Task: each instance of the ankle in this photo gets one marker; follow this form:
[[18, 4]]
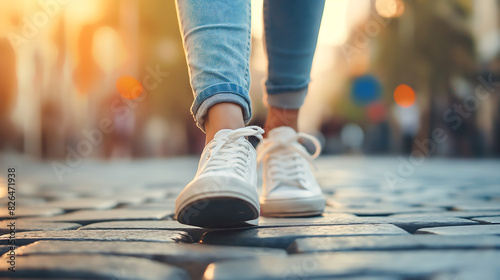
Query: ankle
[[222, 116], [277, 117]]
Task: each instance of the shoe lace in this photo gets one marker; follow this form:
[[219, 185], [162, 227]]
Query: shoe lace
[[285, 159], [227, 152]]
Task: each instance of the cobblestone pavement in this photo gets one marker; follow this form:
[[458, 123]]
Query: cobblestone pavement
[[387, 218]]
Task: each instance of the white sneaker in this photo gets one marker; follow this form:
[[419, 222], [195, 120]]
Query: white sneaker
[[224, 191], [289, 186]]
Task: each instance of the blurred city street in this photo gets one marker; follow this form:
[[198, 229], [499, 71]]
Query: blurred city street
[[387, 218], [97, 137]]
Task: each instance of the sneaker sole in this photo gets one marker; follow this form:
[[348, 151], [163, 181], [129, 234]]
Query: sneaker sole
[[296, 207], [230, 205], [219, 212]]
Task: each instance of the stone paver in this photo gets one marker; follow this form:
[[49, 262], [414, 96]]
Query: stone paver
[[93, 216], [382, 210], [30, 211], [483, 192], [456, 214], [54, 193], [385, 243], [488, 220], [478, 206], [281, 237], [91, 267], [449, 203], [22, 225], [463, 230], [126, 198], [326, 219], [24, 201], [386, 277], [83, 203], [136, 196], [412, 223], [4, 249], [194, 232], [409, 223], [193, 257], [114, 220], [168, 225], [163, 205], [102, 235], [411, 265]]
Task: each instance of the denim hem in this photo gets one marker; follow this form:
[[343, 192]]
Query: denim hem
[[293, 99], [279, 89], [227, 92]]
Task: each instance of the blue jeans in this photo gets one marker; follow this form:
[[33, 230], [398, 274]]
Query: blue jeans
[[216, 36]]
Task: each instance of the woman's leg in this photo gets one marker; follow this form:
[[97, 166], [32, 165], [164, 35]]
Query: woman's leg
[[291, 32], [216, 37], [289, 186]]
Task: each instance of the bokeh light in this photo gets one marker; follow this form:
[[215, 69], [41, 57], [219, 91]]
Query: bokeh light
[[404, 95], [65, 58], [389, 8], [82, 12], [108, 49], [352, 136], [365, 90], [129, 87], [376, 112]]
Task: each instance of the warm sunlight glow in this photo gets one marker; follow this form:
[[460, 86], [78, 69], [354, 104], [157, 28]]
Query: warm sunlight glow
[[334, 25], [108, 49], [390, 8], [334, 28], [3, 188], [209, 272], [257, 20], [129, 87], [84, 12]]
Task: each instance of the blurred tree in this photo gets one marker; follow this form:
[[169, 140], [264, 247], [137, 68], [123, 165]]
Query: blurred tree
[[8, 94], [161, 48], [425, 48]]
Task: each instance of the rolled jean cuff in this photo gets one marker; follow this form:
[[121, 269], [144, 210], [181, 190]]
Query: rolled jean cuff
[[227, 92], [292, 99]]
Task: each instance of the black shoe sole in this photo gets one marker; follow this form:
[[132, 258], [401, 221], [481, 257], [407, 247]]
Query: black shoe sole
[[218, 212]]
